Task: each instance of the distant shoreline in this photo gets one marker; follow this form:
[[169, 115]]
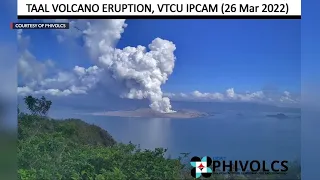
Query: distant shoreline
[[148, 113], [278, 116]]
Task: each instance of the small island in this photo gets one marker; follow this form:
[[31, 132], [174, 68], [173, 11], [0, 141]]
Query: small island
[[278, 116], [239, 114], [149, 113]]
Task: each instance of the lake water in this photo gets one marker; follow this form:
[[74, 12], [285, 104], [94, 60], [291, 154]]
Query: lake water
[[230, 136]]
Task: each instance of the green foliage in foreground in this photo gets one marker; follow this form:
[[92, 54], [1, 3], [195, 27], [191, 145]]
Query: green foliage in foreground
[[72, 149], [37, 106]]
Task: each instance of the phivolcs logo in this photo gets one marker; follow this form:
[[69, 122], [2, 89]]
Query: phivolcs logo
[[201, 167], [206, 166]]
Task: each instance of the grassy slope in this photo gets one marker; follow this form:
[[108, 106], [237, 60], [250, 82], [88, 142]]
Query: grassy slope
[[73, 149]]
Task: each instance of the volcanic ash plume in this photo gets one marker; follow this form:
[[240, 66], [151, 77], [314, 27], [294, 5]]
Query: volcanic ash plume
[[141, 72]]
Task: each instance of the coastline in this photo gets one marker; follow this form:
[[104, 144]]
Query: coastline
[[148, 113]]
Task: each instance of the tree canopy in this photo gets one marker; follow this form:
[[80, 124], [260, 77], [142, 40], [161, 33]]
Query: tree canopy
[[37, 106]]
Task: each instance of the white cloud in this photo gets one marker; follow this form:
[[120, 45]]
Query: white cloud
[[29, 68], [78, 81], [140, 72], [63, 83], [211, 96], [230, 93], [287, 98], [231, 96], [25, 90]]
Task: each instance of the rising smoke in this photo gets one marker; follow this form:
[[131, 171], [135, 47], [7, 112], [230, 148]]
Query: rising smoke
[[141, 72]]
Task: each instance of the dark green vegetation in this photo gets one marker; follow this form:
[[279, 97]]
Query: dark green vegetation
[[72, 149], [37, 106]]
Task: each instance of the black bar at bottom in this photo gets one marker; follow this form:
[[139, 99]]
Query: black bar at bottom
[[160, 17]]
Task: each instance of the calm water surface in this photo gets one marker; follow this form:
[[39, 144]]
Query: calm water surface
[[234, 137]]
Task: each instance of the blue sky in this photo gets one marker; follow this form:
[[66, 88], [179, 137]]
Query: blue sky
[[212, 55]]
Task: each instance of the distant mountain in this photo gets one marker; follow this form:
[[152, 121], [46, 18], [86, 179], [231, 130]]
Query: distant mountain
[[149, 113], [278, 116]]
